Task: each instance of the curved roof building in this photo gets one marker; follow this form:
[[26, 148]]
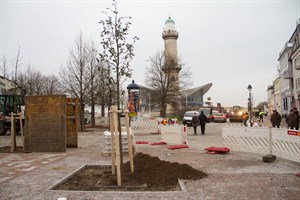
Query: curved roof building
[[194, 97]]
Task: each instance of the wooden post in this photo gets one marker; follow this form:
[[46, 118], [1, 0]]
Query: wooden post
[[12, 134], [21, 129], [129, 141], [115, 121], [113, 164]]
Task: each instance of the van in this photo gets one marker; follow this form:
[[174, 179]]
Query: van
[[187, 118]]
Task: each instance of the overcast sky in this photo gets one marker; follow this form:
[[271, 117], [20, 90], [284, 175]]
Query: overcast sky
[[228, 43]]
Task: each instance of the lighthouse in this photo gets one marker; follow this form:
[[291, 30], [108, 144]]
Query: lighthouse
[[171, 67]]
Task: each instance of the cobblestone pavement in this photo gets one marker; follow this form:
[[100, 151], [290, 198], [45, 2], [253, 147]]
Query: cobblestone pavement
[[13, 165], [235, 175]]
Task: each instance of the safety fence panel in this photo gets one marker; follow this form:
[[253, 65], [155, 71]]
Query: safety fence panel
[[145, 126], [247, 139], [262, 140], [174, 134], [284, 145]]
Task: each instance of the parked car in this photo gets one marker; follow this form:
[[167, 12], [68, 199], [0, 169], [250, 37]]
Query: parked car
[[220, 117], [187, 118], [214, 112], [228, 114]]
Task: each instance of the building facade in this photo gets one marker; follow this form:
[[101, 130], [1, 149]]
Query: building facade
[[284, 94], [294, 60], [286, 80]]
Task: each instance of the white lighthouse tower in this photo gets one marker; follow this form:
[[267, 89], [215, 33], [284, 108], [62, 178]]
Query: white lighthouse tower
[[171, 67]]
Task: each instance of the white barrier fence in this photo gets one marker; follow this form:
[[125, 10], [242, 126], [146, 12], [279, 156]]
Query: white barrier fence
[[170, 134], [262, 140], [174, 134], [145, 126]]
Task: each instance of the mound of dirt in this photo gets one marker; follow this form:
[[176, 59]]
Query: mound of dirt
[[160, 174], [150, 174]]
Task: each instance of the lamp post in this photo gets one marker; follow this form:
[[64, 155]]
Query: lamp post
[[186, 101], [149, 105], [250, 104]]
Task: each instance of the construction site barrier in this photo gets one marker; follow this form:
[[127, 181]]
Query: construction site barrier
[[174, 134], [145, 126], [263, 140]]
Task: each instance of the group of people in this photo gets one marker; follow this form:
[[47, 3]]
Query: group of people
[[199, 120], [259, 114], [292, 119]]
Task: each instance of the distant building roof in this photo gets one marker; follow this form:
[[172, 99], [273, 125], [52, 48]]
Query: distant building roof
[[204, 89]]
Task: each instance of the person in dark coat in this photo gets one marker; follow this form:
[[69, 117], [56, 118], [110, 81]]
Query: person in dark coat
[[195, 122], [275, 119], [297, 115], [291, 120], [203, 120]]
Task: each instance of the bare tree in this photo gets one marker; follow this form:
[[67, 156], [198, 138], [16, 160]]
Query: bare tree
[[51, 85], [16, 62], [166, 90], [31, 80], [117, 51], [92, 76], [105, 90], [72, 77], [4, 67]]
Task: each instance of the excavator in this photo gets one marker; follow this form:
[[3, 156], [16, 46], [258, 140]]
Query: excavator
[[11, 101]]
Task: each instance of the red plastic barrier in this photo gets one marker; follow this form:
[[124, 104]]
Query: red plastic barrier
[[298, 174], [178, 147], [215, 150], [141, 142], [293, 132], [157, 143]]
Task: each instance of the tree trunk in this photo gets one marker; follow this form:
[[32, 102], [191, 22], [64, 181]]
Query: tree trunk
[[163, 109], [82, 121], [103, 109], [93, 121]]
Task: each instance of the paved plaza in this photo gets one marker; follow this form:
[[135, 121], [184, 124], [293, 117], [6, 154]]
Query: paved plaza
[[236, 175]]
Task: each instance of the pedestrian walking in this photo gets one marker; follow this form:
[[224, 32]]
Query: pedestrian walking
[[291, 120], [275, 119], [245, 118], [195, 122], [203, 120], [298, 118]]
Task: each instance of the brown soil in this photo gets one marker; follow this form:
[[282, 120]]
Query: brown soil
[[150, 174], [6, 149]]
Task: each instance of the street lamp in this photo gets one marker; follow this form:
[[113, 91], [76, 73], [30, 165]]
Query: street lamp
[[250, 104], [149, 106], [186, 101]]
